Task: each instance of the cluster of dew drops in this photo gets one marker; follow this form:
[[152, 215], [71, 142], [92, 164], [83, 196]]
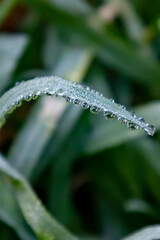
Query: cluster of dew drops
[[150, 129]]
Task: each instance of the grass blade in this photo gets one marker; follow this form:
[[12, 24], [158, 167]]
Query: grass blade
[[80, 95]]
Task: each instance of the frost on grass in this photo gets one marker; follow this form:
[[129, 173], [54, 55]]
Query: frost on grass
[[72, 92]]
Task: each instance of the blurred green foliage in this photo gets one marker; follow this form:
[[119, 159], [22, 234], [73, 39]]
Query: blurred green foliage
[[96, 178]]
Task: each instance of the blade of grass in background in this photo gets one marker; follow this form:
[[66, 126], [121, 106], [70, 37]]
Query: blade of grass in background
[[7, 232], [5, 9], [11, 50], [61, 204], [110, 135], [135, 205], [45, 226], [113, 51], [133, 24], [129, 168], [10, 213], [131, 20], [74, 7], [149, 152]]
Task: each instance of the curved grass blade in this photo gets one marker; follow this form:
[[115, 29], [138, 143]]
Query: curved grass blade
[[45, 226], [78, 94]]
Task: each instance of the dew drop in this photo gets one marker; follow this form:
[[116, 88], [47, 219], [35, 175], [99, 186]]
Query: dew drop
[[87, 87], [34, 96], [76, 101], [45, 91], [131, 126], [21, 97], [18, 103], [68, 99], [141, 120], [150, 129], [38, 93], [11, 108], [133, 114], [109, 115], [28, 98], [95, 109], [85, 105], [112, 100], [94, 91], [122, 120], [60, 92], [50, 93], [123, 107]]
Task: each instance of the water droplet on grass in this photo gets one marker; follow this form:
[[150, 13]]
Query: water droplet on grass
[[133, 114], [45, 91], [112, 100], [141, 120], [28, 98], [68, 99], [85, 105], [11, 109], [109, 115], [131, 126], [18, 103], [60, 92], [38, 93], [123, 107], [95, 109], [87, 87], [122, 120], [34, 96], [76, 101], [150, 129]]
